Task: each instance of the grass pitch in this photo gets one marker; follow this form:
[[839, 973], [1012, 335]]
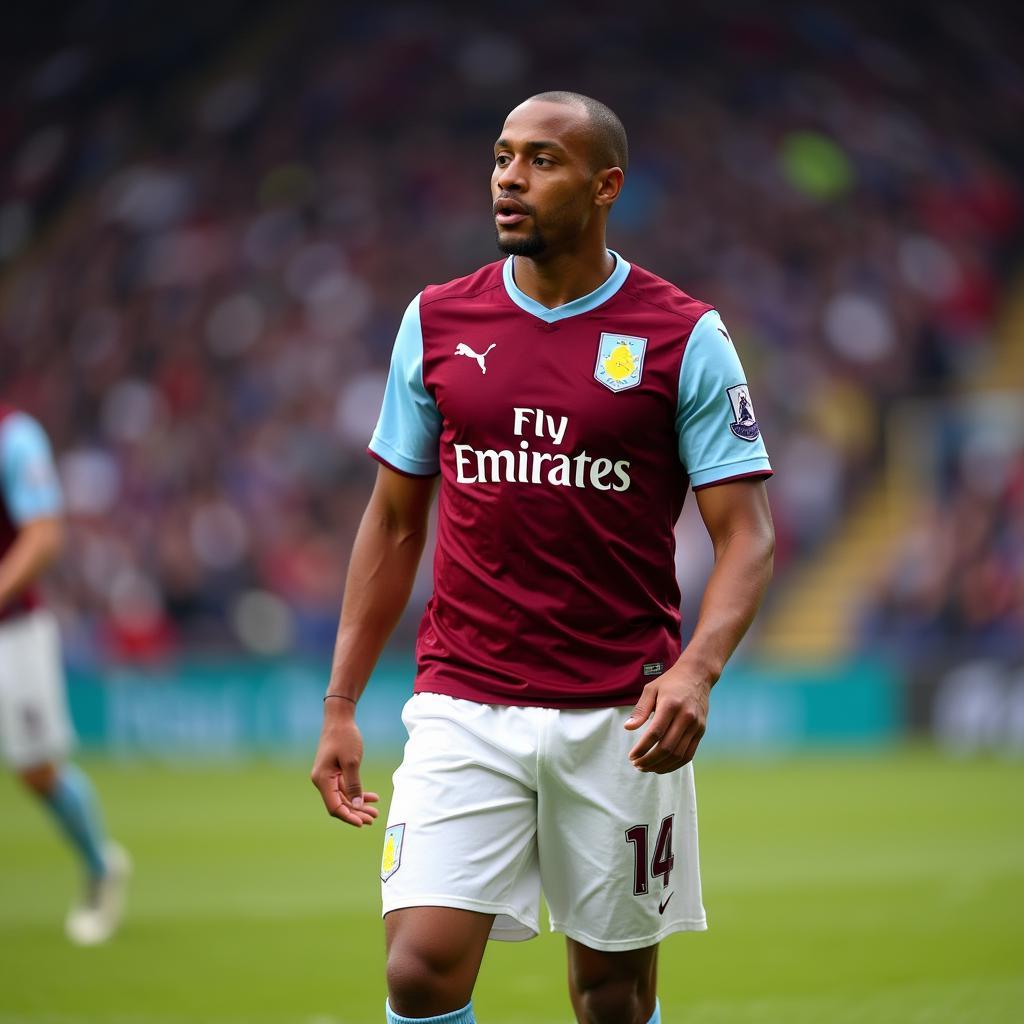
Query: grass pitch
[[883, 887]]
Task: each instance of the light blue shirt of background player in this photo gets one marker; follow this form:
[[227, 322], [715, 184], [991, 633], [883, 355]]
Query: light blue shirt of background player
[[28, 477]]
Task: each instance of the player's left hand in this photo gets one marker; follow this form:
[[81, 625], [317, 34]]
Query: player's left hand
[[676, 704]]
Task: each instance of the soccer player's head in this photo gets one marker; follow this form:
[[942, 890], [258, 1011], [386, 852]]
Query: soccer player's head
[[558, 167]]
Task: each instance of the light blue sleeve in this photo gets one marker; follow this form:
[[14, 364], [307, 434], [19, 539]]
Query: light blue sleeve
[[408, 432], [719, 438], [28, 475]]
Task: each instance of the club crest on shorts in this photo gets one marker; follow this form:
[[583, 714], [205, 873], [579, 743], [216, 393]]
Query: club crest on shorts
[[620, 361], [391, 859], [744, 425]]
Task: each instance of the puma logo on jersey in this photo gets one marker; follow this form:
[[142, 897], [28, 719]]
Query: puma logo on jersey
[[462, 349]]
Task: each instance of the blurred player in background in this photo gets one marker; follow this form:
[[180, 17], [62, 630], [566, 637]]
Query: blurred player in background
[[35, 728], [567, 399]]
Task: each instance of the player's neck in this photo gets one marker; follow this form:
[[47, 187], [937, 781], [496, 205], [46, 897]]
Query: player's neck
[[562, 278]]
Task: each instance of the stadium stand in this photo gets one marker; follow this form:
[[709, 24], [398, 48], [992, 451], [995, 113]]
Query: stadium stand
[[956, 583], [207, 237]]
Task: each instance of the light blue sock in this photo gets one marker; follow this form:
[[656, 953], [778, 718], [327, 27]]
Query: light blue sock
[[656, 1019], [463, 1016], [74, 805]]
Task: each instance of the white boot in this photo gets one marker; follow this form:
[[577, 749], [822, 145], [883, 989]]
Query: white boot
[[96, 918]]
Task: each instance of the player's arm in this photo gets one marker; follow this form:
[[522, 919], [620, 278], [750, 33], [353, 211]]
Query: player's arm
[[720, 446], [37, 545], [385, 557], [739, 523]]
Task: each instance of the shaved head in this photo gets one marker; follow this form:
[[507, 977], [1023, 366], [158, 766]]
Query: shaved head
[[607, 136]]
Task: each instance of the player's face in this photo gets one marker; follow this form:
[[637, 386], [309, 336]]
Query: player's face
[[543, 184]]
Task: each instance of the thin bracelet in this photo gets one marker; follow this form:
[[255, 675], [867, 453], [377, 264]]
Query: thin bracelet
[[340, 696]]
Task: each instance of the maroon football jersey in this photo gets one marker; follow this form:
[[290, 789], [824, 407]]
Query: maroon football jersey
[[566, 440]]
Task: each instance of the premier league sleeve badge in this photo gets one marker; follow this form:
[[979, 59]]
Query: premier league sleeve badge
[[744, 425]]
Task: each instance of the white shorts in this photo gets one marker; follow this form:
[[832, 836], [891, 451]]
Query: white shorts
[[493, 804], [35, 726]]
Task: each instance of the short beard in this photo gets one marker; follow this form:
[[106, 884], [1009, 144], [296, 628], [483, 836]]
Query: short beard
[[529, 247]]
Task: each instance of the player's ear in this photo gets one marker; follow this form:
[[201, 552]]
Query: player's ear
[[608, 185]]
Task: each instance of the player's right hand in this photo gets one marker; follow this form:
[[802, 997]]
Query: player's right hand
[[336, 771]]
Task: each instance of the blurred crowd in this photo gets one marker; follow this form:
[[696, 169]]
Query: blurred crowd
[[956, 588], [208, 236]]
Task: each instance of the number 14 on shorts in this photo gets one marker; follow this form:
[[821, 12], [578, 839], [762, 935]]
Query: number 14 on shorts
[[663, 860]]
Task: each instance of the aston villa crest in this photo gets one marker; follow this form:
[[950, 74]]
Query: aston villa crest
[[620, 361], [391, 859], [743, 425]]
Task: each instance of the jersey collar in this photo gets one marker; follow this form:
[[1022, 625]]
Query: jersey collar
[[584, 304]]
